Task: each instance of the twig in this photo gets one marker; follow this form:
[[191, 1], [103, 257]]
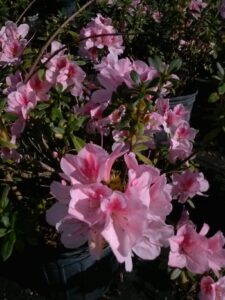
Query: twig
[[24, 12], [52, 37]]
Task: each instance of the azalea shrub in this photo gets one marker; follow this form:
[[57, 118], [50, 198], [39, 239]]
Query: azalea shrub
[[95, 156], [190, 30]]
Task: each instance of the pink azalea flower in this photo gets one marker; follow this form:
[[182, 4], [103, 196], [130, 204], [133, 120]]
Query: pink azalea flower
[[162, 106], [21, 101], [145, 72], [207, 289], [181, 141], [63, 71], [40, 87], [157, 16], [12, 42], [216, 252], [196, 7], [12, 82], [86, 201], [222, 10], [188, 184], [18, 127], [73, 232], [125, 223], [211, 290], [155, 237], [152, 188], [188, 249], [100, 26], [86, 167]]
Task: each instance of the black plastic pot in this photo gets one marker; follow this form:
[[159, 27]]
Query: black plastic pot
[[75, 275]]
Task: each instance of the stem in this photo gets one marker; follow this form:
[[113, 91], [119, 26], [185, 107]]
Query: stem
[[52, 37], [24, 12]]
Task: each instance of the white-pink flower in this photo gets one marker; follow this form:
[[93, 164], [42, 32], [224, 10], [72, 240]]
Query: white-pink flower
[[100, 34], [211, 290], [12, 42], [61, 70], [21, 101], [188, 249], [39, 87], [188, 184], [196, 7], [157, 16], [222, 9], [181, 141]]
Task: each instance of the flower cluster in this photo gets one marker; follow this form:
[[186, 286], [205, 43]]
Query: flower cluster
[[100, 34], [119, 154], [12, 42], [95, 205]]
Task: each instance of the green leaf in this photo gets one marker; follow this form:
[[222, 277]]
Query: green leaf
[[43, 106], [59, 132], [220, 69], [74, 35], [4, 198], [5, 221], [135, 77], [78, 143], [3, 232], [6, 144], [184, 278], [190, 203], [143, 158], [175, 274], [139, 147], [175, 65], [2, 103], [55, 114], [221, 89], [214, 97], [7, 245], [217, 77], [157, 63]]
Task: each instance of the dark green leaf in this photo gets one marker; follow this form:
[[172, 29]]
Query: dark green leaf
[[55, 114], [4, 197], [214, 97], [139, 147], [220, 69], [5, 221], [221, 89], [2, 103], [43, 106], [157, 63], [143, 158], [3, 232], [7, 245], [175, 65], [135, 77]]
